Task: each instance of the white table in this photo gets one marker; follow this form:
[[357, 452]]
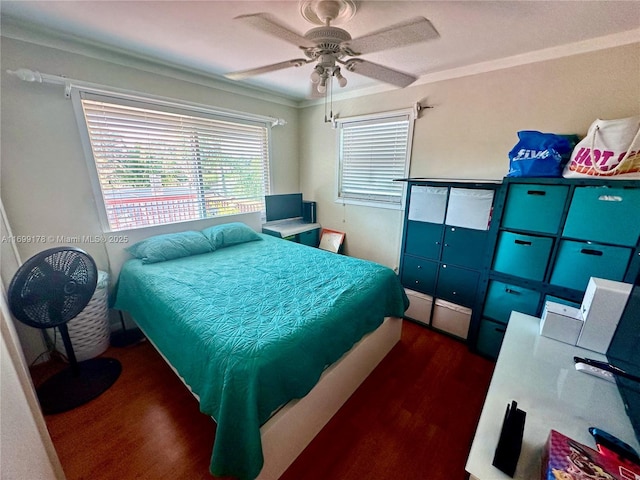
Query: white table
[[539, 374], [289, 227]]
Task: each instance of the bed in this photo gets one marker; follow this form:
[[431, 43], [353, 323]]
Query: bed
[[251, 323]]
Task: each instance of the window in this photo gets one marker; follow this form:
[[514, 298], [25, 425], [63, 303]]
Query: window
[[374, 150], [157, 164]]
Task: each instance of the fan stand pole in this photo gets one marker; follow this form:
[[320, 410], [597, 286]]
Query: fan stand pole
[[71, 356]]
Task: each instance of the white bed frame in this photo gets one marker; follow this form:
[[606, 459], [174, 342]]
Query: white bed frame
[[292, 428], [288, 432]]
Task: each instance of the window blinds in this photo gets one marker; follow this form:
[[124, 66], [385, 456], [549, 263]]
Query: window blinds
[[158, 165], [374, 152]]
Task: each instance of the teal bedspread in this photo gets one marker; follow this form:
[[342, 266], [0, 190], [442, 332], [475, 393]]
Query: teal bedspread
[[252, 326]]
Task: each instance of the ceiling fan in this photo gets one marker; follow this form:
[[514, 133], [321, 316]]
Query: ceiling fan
[[330, 46]]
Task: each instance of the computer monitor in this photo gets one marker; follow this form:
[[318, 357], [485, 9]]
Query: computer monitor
[[624, 352], [283, 206]]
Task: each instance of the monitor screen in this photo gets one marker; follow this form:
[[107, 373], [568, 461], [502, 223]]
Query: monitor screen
[[284, 206], [624, 352]]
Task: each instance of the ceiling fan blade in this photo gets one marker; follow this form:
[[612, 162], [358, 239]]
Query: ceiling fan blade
[[416, 30], [298, 62], [378, 72], [268, 24]]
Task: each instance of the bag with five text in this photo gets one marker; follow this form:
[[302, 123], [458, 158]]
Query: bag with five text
[[540, 154]]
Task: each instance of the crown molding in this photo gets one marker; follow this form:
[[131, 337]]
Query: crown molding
[[27, 32], [19, 30], [562, 51]]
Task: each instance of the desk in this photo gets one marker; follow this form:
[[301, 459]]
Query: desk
[[295, 229], [539, 374]]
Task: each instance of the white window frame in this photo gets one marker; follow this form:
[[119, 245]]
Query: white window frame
[[165, 105], [383, 117]]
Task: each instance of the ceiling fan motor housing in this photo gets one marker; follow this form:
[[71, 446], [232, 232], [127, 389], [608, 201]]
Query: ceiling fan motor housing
[[327, 39], [328, 45]]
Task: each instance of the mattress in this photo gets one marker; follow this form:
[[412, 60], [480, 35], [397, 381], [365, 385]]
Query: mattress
[[251, 326]]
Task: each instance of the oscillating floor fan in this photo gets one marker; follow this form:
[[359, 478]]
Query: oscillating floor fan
[[47, 291]]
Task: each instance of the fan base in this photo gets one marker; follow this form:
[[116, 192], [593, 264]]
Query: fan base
[[67, 390]]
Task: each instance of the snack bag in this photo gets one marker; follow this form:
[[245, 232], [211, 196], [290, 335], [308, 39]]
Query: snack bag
[[566, 459]]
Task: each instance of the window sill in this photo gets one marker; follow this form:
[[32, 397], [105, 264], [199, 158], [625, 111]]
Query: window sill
[[368, 203]]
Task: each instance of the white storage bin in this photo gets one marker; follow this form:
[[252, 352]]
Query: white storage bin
[[428, 204], [470, 208], [451, 318], [419, 306], [90, 331]]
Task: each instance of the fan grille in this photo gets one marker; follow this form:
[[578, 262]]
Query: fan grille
[[53, 287]]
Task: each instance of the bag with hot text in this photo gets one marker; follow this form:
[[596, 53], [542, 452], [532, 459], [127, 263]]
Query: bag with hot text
[[611, 149]]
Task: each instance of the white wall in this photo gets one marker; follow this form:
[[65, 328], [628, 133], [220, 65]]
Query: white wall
[[45, 184], [469, 132], [44, 179], [26, 448], [31, 339]]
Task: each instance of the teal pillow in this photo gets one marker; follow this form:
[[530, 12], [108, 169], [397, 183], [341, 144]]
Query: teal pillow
[[229, 234], [171, 245]]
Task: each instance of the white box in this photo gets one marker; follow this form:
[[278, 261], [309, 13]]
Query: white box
[[419, 306], [561, 322], [451, 318], [602, 306]]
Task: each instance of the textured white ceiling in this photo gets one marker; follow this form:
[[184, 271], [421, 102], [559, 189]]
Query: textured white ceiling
[[203, 35]]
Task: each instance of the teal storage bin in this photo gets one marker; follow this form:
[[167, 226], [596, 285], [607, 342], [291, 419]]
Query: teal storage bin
[[419, 274], [310, 237], [607, 215], [503, 298], [458, 285], [490, 338], [537, 208], [423, 239], [578, 261], [525, 256], [465, 247]]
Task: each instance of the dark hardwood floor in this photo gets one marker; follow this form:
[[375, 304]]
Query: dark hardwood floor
[[413, 418]]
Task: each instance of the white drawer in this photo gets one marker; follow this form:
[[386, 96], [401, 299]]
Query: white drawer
[[451, 318], [419, 306]]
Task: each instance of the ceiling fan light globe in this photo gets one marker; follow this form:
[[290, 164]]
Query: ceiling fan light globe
[[341, 80], [315, 76], [322, 88]]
